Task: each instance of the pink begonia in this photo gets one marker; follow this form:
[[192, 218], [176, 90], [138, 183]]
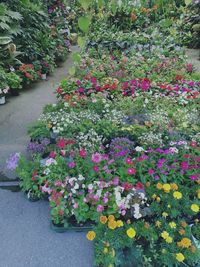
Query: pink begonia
[[96, 168], [116, 181], [75, 205], [131, 171], [100, 208], [71, 164], [82, 153], [96, 158]]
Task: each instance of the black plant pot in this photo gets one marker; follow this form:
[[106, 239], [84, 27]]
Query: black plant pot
[[14, 92]]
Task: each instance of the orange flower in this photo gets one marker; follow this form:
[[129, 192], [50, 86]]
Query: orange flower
[[174, 186], [181, 231], [103, 219], [112, 225], [183, 224]]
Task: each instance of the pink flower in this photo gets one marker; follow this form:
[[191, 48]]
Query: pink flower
[[96, 168], [105, 200], [123, 212], [61, 143], [96, 158], [100, 208], [52, 155], [58, 183], [193, 144], [62, 153], [129, 161], [151, 172], [131, 171], [83, 153], [71, 164], [75, 206], [116, 181], [194, 177], [78, 82]]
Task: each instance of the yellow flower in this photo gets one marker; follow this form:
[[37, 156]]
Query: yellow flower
[[174, 186], [166, 188], [159, 186], [113, 252], [111, 218], [112, 225], [158, 224], [131, 232], [154, 196], [158, 199], [165, 214], [184, 243], [169, 239], [120, 223], [172, 225], [169, 206], [198, 195], [110, 265], [177, 195], [180, 257], [195, 207], [165, 234], [91, 235], [105, 251], [103, 219]]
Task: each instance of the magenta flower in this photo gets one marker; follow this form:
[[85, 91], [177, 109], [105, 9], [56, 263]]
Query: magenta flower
[[96, 158], [52, 155], [96, 168], [83, 153], [151, 172], [194, 177], [71, 164], [100, 208], [116, 181], [131, 171], [129, 161]]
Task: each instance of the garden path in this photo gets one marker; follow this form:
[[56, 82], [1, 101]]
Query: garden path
[[26, 238], [19, 112]]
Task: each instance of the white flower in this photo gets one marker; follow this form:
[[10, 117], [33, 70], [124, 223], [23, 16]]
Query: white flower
[[139, 149]]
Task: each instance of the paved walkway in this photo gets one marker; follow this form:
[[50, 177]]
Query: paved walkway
[[25, 237], [19, 112]]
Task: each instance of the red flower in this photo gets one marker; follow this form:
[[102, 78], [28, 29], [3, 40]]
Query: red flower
[[83, 153], [139, 186], [61, 143], [34, 175], [59, 90], [131, 171], [127, 186], [178, 77]]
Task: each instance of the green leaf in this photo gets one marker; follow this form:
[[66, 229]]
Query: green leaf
[[81, 41], [72, 70], [76, 57], [85, 3], [187, 2], [84, 23]]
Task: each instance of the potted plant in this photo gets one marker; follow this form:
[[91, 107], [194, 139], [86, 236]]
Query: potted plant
[[45, 69], [14, 83], [3, 86]]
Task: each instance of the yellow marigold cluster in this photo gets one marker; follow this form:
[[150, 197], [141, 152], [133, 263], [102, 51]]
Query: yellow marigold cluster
[[184, 243], [174, 186], [113, 224], [165, 235], [172, 225], [195, 208]]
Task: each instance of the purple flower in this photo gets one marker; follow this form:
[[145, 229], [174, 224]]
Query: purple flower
[[12, 162], [100, 208]]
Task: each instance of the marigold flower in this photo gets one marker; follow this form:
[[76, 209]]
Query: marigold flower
[[183, 224], [159, 186], [180, 257], [158, 224], [174, 186], [184, 243], [195, 207], [158, 199], [169, 239], [111, 218], [165, 234], [131, 232], [166, 188], [165, 214], [154, 196], [112, 225], [120, 223], [103, 219], [91, 235], [181, 231], [172, 225], [193, 249], [177, 195]]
